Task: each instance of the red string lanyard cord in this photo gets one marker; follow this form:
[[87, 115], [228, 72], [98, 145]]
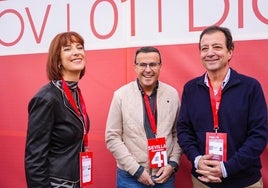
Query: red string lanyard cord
[[70, 98], [150, 113], [215, 104]]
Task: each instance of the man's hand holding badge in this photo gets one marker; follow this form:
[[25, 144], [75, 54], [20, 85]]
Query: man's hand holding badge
[[158, 159], [209, 165], [163, 174], [209, 169]]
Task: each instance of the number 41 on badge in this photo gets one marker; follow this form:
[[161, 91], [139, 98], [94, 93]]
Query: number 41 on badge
[[157, 152]]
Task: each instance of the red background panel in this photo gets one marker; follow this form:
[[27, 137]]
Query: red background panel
[[22, 75]]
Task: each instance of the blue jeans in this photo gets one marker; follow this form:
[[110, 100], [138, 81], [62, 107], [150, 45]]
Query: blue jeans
[[126, 180]]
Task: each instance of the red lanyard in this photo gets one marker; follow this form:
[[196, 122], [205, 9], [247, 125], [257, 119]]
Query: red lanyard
[[215, 104], [77, 111], [150, 113]]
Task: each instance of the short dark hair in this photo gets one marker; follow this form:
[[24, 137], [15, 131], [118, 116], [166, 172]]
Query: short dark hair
[[147, 49], [212, 29], [54, 52]]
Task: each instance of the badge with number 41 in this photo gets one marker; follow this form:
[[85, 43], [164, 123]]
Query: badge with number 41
[[157, 152]]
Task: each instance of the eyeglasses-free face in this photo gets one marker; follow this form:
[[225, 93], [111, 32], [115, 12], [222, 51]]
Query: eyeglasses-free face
[[152, 65]]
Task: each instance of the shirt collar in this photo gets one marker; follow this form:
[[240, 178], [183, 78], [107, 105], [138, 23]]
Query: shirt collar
[[155, 88], [225, 81]]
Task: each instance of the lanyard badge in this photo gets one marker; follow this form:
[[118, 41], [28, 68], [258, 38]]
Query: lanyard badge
[[85, 168], [85, 158], [157, 152], [216, 144], [86, 161]]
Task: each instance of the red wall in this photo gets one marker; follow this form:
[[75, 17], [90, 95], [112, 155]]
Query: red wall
[[22, 75]]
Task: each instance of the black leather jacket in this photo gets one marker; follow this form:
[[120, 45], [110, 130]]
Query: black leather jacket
[[54, 140]]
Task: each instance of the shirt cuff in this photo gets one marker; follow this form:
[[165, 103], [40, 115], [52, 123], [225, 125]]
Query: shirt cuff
[[174, 165], [139, 172], [196, 160], [223, 170]]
